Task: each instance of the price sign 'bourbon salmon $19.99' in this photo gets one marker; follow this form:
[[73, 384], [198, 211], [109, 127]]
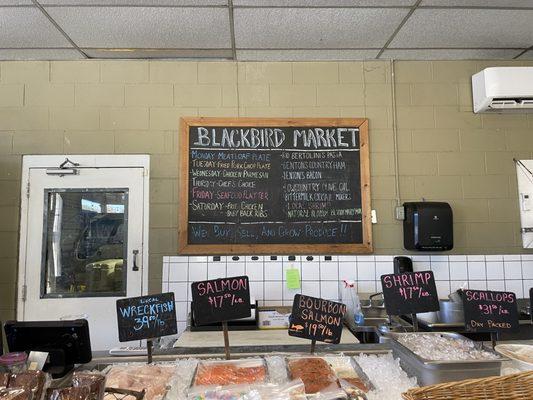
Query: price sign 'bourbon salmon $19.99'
[[316, 319], [410, 293], [221, 300]]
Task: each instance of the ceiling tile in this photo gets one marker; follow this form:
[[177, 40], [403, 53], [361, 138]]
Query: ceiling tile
[[144, 27], [158, 53], [28, 27], [305, 55], [15, 2], [478, 3], [322, 3], [449, 54], [331, 28], [40, 54], [528, 55], [177, 3], [466, 28]]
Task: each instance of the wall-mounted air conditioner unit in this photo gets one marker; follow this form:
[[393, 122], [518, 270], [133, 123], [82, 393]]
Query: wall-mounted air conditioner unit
[[503, 89]]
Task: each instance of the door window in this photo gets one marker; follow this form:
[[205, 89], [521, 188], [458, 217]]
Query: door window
[[84, 244]]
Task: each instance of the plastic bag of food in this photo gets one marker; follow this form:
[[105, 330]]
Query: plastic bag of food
[[223, 373], [228, 392], [69, 393], [4, 379], [315, 372], [351, 376], [292, 390], [15, 394], [35, 381], [95, 381], [154, 378]]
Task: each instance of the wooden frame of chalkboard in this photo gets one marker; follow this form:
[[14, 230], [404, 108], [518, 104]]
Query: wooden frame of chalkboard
[[344, 141]]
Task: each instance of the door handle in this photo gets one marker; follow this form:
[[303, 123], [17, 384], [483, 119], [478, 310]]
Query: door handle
[[135, 266]]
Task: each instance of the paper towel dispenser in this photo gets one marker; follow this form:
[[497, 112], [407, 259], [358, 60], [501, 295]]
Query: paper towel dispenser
[[428, 226]]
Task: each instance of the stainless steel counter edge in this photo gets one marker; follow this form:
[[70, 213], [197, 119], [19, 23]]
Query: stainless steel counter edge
[[163, 355]]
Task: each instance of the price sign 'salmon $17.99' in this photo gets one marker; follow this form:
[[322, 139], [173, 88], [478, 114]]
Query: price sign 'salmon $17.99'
[[410, 293], [221, 300], [146, 317]]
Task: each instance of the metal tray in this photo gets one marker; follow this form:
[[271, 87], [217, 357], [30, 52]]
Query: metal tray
[[429, 372]]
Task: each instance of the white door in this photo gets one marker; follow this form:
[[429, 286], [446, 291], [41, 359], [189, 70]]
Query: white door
[[84, 245]]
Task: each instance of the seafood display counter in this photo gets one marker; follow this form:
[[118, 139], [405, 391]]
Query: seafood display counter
[[385, 371]]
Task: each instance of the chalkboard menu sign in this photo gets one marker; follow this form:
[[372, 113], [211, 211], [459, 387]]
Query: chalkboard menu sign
[[316, 319], [221, 300], [146, 317], [410, 293], [274, 186], [488, 311]]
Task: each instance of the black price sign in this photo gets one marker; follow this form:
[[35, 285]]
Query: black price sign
[[221, 300], [410, 293], [531, 303], [487, 311], [316, 319], [146, 317]]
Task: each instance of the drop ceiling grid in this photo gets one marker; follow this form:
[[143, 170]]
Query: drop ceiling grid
[[272, 29]]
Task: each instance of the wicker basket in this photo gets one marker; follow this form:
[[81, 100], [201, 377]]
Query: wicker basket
[[508, 387]]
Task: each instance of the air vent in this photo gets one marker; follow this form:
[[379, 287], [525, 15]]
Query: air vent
[[511, 103]]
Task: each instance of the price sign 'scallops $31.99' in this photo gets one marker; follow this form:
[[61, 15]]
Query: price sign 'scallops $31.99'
[[316, 319], [488, 311], [410, 293], [146, 317], [221, 300]]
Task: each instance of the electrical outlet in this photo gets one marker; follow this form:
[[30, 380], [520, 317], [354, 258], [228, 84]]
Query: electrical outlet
[[400, 213], [374, 217]]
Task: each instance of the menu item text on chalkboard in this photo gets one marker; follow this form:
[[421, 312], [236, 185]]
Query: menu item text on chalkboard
[[488, 311], [316, 319], [221, 300], [272, 185], [410, 293], [146, 317]]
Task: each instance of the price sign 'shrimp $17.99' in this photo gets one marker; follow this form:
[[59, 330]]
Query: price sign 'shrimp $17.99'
[[410, 293]]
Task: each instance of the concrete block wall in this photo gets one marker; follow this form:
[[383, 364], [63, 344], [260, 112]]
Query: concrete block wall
[[445, 151]]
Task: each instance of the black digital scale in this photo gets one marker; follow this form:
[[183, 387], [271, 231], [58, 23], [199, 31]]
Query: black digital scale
[[66, 342]]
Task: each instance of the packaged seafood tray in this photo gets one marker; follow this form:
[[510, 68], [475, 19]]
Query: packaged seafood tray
[[329, 376], [154, 379], [230, 372], [349, 373], [436, 357]]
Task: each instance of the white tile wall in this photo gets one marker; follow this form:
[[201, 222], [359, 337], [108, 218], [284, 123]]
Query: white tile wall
[[321, 277]]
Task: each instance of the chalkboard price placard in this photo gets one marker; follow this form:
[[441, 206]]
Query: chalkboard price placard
[[488, 311], [531, 304], [263, 186], [221, 300], [316, 319], [410, 293], [146, 317]]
